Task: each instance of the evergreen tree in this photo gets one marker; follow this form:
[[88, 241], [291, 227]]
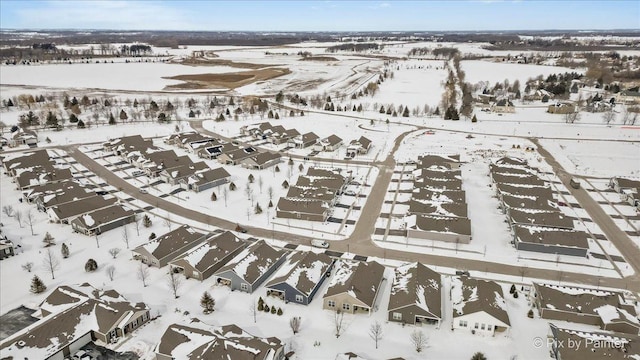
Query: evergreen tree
[[112, 119], [213, 196], [146, 221], [277, 169], [270, 204], [80, 124], [513, 289], [9, 103], [279, 97], [192, 114], [90, 266], [123, 115], [478, 356], [153, 106], [162, 117], [273, 310], [73, 118], [232, 186], [285, 184], [152, 236], [251, 178], [258, 209], [437, 111], [48, 240], [207, 303], [280, 311], [37, 286], [135, 103], [64, 249], [267, 308], [474, 118], [52, 119], [405, 113], [270, 114], [276, 116]]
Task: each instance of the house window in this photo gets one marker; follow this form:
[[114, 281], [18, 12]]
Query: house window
[[298, 215], [476, 326], [482, 327], [299, 298], [463, 323], [397, 316], [244, 287], [345, 307], [195, 274], [331, 303]]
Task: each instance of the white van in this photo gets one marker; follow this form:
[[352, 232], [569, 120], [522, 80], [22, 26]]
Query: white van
[[320, 244]]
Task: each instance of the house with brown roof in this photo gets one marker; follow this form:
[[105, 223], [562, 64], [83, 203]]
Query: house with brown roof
[[443, 196], [628, 188], [434, 208], [503, 106], [14, 163], [213, 151], [73, 316], [440, 228], [443, 162], [552, 219], [304, 140], [312, 193], [100, 221], [608, 309], [159, 251], [255, 130], [551, 241], [41, 175], [66, 212], [126, 144], [234, 157], [354, 287], [561, 107], [206, 179], [358, 147], [261, 160], [205, 259], [302, 209], [478, 306], [330, 143], [181, 174], [594, 345], [251, 267], [198, 341], [65, 192], [23, 137], [300, 277], [416, 295], [283, 137]]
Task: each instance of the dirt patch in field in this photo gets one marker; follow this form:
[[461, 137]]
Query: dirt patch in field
[[226, 80], [319, 58], [210, 61]]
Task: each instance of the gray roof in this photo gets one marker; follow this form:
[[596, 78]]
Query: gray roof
[[364, 142], [437, 161], [443, 184], [548, 219], [527, 203], [254, 261], [416, 284], [451, 225], [470, 295], [551, 236], [210, 175], [320, 182], [358, 279], [264, 157], [311, 193], [42, 175], [521, 180], [212, 251], [438, 209], [66, 191], [445, 196], [435, 174], [302, 271], [595, 345], [538, 192], [303, 206], [27, 159], [82, 206], [186, 170]]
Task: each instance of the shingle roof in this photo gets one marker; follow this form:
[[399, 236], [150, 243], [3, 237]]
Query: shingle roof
[[416, 284], [358, 279]]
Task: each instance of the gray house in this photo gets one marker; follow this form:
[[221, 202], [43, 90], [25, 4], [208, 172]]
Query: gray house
[[169, 246], [300, 277], [204, 260], [102, 220], [416, 295], [551, 241], [203, 180], [64, 213], [251, 267]]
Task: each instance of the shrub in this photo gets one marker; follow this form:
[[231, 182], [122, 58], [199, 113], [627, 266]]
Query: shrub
[[90, 266]]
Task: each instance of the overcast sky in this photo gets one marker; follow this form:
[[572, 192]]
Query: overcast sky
[[321, 15]]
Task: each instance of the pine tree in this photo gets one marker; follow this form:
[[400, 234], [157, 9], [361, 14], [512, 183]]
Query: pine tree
[[37, 286], [285, 184], [266, 308], [9, 103], [73, 118], [123, 115], [213, 196], [474, 118], [152, 236], [478, 356], [273, 310], [276, 116], [232, 186], [48, 240], [251, 178], [437, 112], [405, 113], [277, 169], [270, 114], [192, 114], [146, 221], [80, 124], [513, 289], [280, 311], [64, 249], [258, 209], [90, 266], [112, 119], [270, 204], [207, 303]]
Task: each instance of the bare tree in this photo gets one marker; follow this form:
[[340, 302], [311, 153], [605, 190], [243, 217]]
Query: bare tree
[[375, 332], [338, 322], [114, 252], [571, 117], [125, 238], [143, 273], [225, 195], [111, 272], [167, 221], [27, 266], [260, 183], [248, 191], [137, 220], [253, 310], [295, 323], [419, 340], [8, 210], [18, 216], [270, 192], [30, 219], [51, 263], [175, 281], [609, 116]]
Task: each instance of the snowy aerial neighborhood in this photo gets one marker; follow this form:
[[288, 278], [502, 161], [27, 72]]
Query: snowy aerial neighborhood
[[319, 196]]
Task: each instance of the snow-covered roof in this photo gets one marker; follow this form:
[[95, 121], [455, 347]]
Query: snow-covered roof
[[302, 271], [360, 280], [469, 296], [416, 284], [211, 252], [254, 261]]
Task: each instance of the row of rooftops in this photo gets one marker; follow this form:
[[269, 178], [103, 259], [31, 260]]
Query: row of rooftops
[[438, 202], [34, 168], [530, 208]]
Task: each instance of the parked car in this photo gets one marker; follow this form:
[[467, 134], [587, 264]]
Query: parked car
[[562, 203], [143, 191], [350, 192], [137, 173], [102, 192], [320, 244], [241, 229], [575, 183], [462, 273]]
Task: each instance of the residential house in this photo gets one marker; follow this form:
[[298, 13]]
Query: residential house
[[416, 295], [251, 267], [358, 147], [330, 143], [261, 160], [234, 157], [198, 340], [629, 97], [434, 208], [126, 144], [284, 137], [312, 193], [551, 241], [629, 190], [503, 106], [608, 309], [552, 219], [23, 137], [66, 192], [450, 229], [255, 130], [354, 287], [302, 209], [73, 316], [478, 306], [443, 162], [205, 259], [304, 140], [6, 248], [66, 212], [300, 277], [180, 174], [206, 179], [100, 221], [41, 175], [444, 196], [561, 107], [159, 251], [593, 345], [14, 163]]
